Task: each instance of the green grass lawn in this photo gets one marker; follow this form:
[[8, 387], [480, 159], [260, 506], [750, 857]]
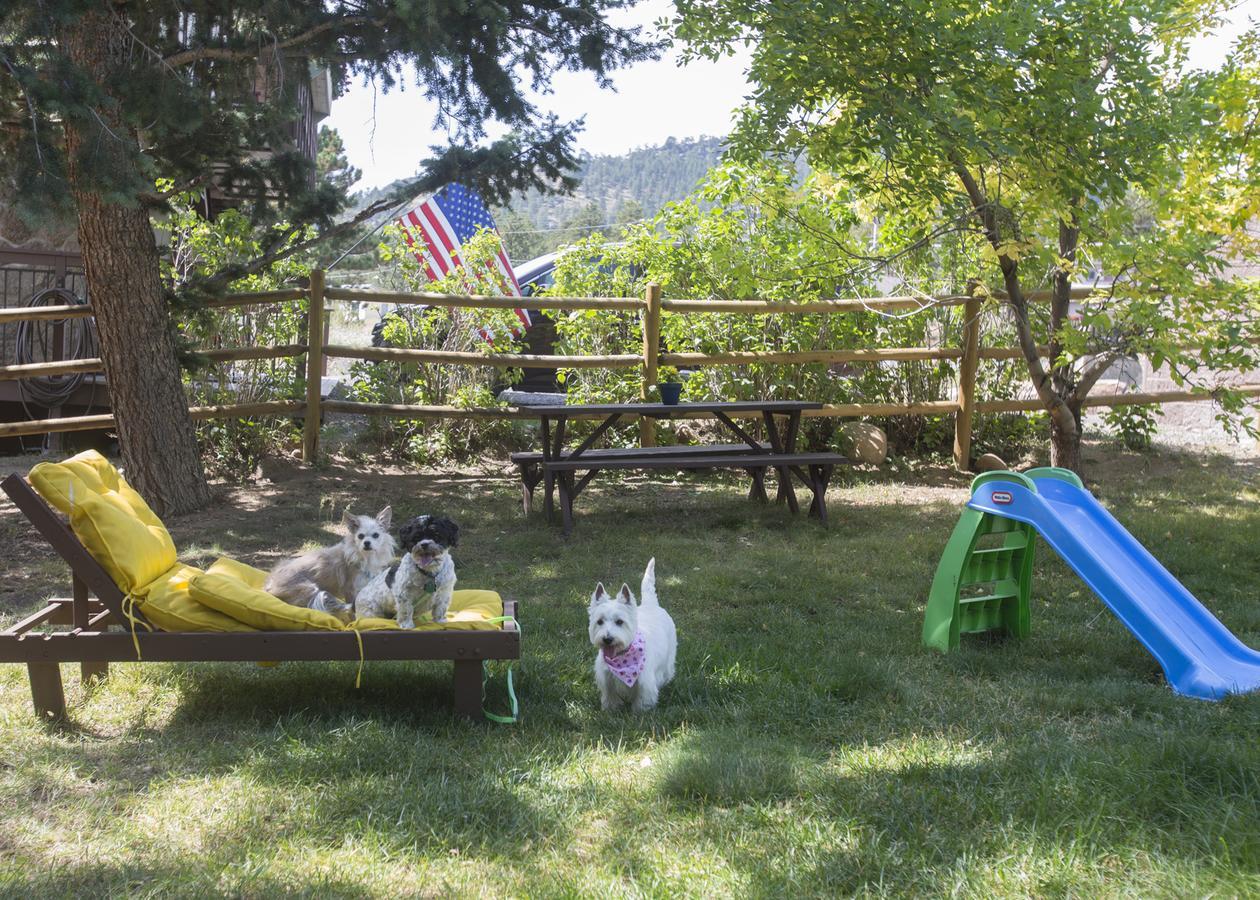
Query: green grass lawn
[[809, 745]]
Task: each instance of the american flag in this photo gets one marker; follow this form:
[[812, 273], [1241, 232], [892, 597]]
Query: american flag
[[437, 228]]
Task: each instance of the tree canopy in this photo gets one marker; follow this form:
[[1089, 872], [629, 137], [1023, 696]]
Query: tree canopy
[[203, 85], [1037, 145], [98, 101]]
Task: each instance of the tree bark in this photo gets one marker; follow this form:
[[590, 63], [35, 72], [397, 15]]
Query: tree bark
[[1065, 439], [120, 260], [1065, 418], [1053, 386]]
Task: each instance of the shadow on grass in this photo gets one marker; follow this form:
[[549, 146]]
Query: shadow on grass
[[184, 875], [809, 741]]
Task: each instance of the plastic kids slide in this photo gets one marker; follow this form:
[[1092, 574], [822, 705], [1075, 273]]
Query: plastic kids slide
[[1200, 656]]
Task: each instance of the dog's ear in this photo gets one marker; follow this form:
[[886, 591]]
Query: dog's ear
[[385, 516], [449, 531], [349, 521], [409, 534], [600, 593], [624, 594]]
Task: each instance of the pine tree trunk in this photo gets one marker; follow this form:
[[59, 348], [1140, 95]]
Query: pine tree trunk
[[1065, 439], [120, 260]]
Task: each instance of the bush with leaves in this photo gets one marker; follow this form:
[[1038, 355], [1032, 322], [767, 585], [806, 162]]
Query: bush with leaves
[[449, 329], [761, 231], [1134, 425], [197, 246]]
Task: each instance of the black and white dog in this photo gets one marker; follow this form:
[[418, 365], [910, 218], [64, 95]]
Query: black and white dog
[[422, 580]]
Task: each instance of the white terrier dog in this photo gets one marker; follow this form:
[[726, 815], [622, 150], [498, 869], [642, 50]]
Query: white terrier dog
[[323, 578], [423, 579], [637, 644]]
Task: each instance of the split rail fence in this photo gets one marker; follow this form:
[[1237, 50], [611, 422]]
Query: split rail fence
[[651, 306]]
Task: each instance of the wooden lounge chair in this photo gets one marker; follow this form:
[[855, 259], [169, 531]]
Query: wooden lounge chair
[[92, 642]]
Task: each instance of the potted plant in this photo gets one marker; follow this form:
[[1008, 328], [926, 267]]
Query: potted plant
[[669, 382]]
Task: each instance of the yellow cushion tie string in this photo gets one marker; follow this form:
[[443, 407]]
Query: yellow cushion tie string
[[358, 636], [128, 609]]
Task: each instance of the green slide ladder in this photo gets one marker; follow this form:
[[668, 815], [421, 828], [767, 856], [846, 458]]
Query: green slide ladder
[[982, 588]]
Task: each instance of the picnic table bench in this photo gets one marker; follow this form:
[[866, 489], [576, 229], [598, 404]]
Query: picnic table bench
[[558, 468]]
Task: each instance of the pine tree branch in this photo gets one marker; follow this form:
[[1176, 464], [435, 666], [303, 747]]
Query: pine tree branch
[[159, 198], [186, 57], [30, 105], [282, 247]]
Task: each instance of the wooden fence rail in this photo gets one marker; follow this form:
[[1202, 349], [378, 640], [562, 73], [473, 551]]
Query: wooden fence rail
[[651, 307]]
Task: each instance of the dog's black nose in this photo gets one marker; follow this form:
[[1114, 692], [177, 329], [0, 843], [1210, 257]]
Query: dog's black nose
[[367, 545], [608, 642]]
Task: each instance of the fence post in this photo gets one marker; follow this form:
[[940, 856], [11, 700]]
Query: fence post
[[314, 366], [967, 384], [651, 354]]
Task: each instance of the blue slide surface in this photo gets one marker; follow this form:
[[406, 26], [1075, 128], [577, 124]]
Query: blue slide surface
[[1200, 656]]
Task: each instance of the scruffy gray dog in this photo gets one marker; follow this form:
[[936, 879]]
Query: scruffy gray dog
[[325, 579]]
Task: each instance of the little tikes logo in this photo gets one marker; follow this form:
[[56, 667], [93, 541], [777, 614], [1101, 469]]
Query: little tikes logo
[[1002, 498]]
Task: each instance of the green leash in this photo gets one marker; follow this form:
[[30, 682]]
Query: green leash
[[485, 677]]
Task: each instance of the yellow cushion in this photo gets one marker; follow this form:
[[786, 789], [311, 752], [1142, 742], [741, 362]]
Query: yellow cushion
[[468, 611], [169, 605], [225, 565], [223, 591], [109, 517]]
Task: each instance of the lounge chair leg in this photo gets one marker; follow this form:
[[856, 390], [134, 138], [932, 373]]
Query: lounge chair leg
[[92, 672], [46, 692], [468, 687]]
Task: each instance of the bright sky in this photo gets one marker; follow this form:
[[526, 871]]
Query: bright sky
[[386, 135], [653, 101]]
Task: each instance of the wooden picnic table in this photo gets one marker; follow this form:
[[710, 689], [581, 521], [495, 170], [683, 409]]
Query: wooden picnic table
[[557, 464]]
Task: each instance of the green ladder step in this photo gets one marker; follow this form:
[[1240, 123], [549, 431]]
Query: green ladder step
[[1003, 572]]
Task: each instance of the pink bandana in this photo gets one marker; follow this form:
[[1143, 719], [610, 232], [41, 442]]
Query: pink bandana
[[628, 664]]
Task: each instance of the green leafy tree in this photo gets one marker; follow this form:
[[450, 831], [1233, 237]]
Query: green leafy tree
[[331, 163], [630, 212], [758, 230], [349, 249], [522, 239], [588, 219], [448, 329], [197, 247], [1033, 144], [100, 100]]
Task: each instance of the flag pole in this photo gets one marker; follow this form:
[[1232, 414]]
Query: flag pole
[[385, 221]]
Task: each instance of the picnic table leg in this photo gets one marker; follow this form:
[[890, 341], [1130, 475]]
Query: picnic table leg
[[557, 452], [778, 444], [89, 671], [467, 686], [529, 479], [757, 491], [819, 478], [566, 501], [46, 692], [531, 475]]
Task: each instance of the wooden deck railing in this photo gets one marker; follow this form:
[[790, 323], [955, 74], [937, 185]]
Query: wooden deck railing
[[651, 306]]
